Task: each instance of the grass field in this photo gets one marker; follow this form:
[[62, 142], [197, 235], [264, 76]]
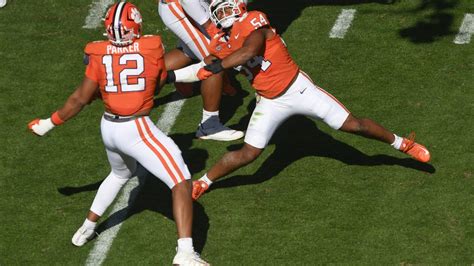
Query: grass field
[[315, 196]]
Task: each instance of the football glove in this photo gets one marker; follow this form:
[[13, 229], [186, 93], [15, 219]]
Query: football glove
[[203, 74], [41, 126], [215, 67]]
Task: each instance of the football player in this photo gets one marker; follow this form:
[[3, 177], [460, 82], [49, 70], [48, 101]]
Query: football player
[[189, 20], [124, 72], [246, 39]]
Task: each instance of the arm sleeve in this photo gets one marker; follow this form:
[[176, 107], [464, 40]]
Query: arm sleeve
[[189, 73], [197, 9]]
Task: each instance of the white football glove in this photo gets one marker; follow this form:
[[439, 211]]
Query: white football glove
[[41, 126]]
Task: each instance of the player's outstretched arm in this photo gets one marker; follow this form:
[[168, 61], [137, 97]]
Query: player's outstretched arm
[[83, 95]]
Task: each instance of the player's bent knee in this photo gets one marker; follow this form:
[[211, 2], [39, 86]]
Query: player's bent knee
[[249, 153], [351, 125]]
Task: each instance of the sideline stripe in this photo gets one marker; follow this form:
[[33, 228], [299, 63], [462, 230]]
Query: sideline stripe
[[466, 30], [342, 24], [104, 241], [96, 12]]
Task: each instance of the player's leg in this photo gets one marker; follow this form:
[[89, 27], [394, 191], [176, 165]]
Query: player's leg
[[266, 118], [322, 105], [176, 20], [211, 126], [160, 156], [123, 167]]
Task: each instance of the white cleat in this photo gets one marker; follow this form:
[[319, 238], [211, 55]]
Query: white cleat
[[188, 259], [82, 236], [3, 3], [217, 131]]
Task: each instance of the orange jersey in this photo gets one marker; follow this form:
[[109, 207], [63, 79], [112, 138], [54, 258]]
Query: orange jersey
[[269, 74], [127, 76]]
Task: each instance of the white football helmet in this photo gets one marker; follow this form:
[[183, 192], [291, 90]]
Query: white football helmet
[[225, 12]]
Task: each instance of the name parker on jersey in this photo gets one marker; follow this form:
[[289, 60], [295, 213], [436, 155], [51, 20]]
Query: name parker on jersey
[[135, 47]]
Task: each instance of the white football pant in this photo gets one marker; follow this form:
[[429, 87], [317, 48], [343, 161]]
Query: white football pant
[[303, 97], [138, 140], [193, 39]]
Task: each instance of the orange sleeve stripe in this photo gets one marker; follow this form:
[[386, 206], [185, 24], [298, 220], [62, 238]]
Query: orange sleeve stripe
[[155, 151], [188, 30], [163, 148]]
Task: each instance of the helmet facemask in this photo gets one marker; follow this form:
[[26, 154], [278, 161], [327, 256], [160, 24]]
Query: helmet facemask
[[224, 13]]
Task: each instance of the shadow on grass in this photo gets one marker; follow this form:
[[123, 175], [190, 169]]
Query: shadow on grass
[[282, 13], [299, 137], [152, 194], [433, 26]]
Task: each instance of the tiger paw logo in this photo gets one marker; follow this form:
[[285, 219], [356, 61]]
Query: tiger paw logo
[[136, 16]]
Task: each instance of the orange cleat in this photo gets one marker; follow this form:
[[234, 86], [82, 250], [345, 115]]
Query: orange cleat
[[415, 150], [199, 188], [185, 89]]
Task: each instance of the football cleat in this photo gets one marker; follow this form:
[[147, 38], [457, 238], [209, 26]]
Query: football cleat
[[82, 236], [188, 259], [216, 131], [415, 150], [199, 188]]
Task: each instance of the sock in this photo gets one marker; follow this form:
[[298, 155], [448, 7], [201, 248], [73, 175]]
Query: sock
[[209, 115], [186, 244], [89, 224], [397, 143], [206, 180]]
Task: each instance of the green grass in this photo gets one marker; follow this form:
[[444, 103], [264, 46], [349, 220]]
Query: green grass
[[315, 196]]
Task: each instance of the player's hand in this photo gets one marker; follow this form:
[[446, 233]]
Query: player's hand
[[215, 67], [203, 74], [41, 126]]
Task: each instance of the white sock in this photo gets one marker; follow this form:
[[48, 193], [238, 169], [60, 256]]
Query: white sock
[[209, 115], [206, 180], [186, 244], [397, 143], [89, 224]]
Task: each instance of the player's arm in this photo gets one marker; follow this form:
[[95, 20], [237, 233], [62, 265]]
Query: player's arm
[[187, 74], [83, 95], [254, 45]]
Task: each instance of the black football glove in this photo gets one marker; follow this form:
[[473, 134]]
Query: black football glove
[[215, 67]]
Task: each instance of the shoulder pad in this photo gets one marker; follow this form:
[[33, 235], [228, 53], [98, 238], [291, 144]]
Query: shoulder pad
[[95, 47]]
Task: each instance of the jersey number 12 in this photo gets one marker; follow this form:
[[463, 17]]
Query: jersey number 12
[[125, 86]]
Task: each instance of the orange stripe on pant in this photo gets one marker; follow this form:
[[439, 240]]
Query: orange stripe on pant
[[155, 151], [163, 148], [325, 92], [188, 30]]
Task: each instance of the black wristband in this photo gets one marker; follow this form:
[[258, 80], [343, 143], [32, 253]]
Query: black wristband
[[170, 77], [215, 67]]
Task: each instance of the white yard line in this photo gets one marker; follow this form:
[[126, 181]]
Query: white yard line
[[96, 13], [466, 30], [342, 24], [104, 241]]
